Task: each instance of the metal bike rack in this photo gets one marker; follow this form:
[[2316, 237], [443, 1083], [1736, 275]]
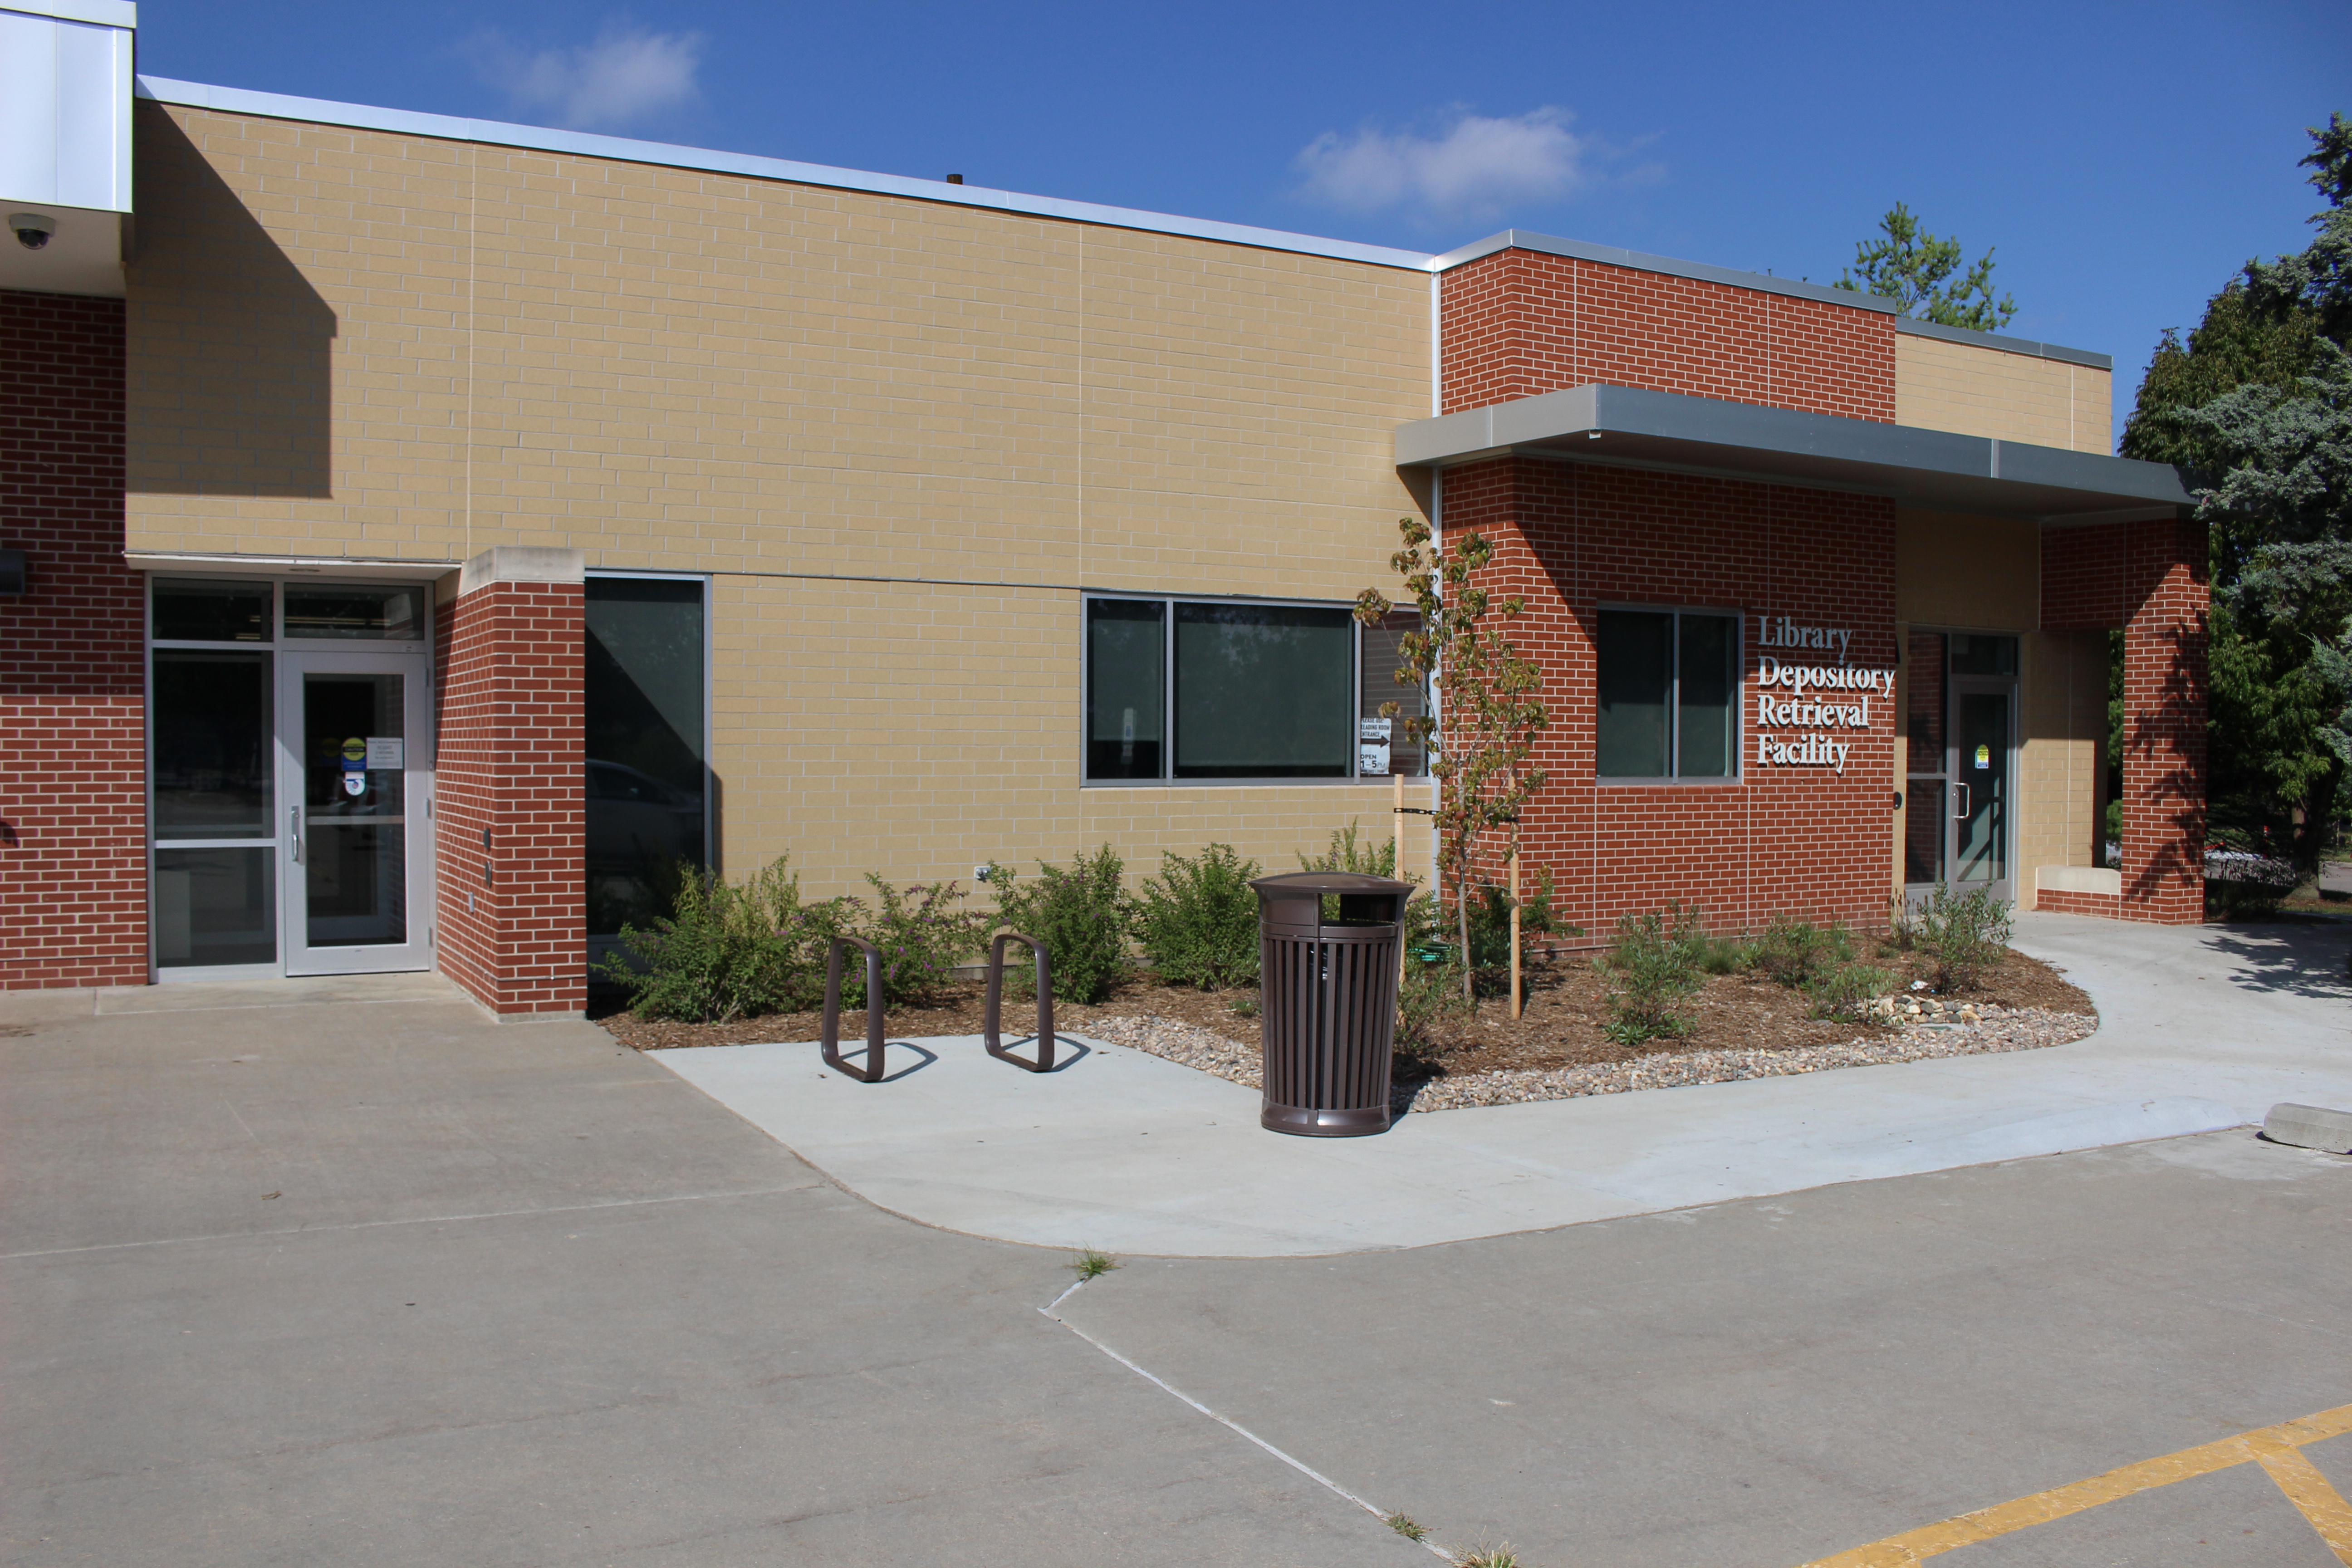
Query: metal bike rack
[[871, 1071], [995, 1008]]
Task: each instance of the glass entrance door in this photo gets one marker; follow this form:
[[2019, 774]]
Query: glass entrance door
[[1959, 724], [355, 791], [1980, 774]]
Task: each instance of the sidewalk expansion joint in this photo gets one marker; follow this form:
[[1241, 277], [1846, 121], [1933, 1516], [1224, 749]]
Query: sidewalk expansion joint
[[1304, 1469]]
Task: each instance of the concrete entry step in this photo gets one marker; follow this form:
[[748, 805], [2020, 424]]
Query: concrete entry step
[[206, 997]]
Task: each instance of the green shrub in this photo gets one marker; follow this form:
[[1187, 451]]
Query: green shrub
[[1490, 924], [1351, 852], [1798, 954], [1080, 914], [922, 934], [1197, 921], [1965, 934], [1428, 997], [1847, 990], [1723, 955], [727, 952], [1653, 966]]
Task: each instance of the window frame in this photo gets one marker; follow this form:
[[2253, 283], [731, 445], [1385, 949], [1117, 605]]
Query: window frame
[[1738, 774], [1168, 603]]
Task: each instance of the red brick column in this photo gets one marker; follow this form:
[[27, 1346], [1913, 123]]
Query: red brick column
[[508, 841], [2165, 684], [73, 794]]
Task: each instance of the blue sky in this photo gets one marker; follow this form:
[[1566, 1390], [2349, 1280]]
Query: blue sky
[[2124, 160]]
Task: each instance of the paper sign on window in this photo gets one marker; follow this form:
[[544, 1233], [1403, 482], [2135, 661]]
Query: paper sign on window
[[384, 752], [1372, 760], [1374, 730], [1984, 756]]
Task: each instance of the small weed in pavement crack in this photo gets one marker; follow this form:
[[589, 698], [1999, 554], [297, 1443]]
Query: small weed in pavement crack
[[1488, 1557], [1405, 1526], [1092, 1265]]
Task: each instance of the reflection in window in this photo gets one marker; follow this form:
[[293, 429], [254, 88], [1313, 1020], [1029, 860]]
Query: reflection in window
[[646, 748], [347, 613], [216, 906], [211, 760], [1262, 691], [1378, 685], [1667, 686], [193, 609], [1126, 641]]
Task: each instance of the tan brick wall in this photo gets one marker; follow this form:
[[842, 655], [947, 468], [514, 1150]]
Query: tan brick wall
[[918, 732], [2064, 690], [674, 369], [1976, 390], [1976, 574], [792, 388]]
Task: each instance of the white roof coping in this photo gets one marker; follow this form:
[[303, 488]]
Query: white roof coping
[[454, 128], [96, 13]]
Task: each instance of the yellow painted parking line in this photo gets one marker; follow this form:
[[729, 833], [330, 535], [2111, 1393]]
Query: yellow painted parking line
[[2308, 1490], [2274, 1447]]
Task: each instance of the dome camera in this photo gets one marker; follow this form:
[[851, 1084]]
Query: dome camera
[[32, 229]]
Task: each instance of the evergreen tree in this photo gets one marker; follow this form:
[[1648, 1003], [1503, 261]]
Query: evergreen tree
[[2259, 399], [1915, 268]]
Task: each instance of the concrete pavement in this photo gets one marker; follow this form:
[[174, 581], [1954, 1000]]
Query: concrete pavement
[[2203, 1028], [372, 1281]]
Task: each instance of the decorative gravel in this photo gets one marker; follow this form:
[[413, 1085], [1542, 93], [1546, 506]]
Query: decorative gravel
[[1997, 1029]]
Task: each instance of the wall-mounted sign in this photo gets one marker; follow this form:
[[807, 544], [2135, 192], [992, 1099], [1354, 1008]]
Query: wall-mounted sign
[[1842, 698]]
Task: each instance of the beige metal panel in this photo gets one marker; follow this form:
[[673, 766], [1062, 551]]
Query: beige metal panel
[[365, 342], [917, 731], [1971, 573], [1972, 390]]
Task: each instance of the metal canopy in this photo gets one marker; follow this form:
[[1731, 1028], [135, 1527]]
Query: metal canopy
[[1931, 469]]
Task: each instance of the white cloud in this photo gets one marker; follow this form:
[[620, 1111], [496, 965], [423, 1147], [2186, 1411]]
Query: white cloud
[[1474, 166], [622, 78]]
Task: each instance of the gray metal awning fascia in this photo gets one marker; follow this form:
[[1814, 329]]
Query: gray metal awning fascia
[[1931, 469]]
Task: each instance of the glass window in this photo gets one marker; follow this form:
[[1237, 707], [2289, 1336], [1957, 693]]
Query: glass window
[[1922, 683], [1983, 655], [216, 906], [190, 609], [1706, 688], [1264, 691], [1669, 691], [212, 745], [341, 612], [1381, 740], [1126, 644], [642, 718], [1637, 673]]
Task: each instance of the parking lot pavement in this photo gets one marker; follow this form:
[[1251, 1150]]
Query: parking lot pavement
[[353, 1281], [375, 1282], [1774, 1382]]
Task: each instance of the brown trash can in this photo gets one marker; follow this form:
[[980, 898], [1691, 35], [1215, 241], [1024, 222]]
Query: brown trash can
[[1328, 996]]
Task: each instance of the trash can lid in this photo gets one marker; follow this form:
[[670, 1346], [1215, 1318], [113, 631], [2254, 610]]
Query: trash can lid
[[1301, 884]]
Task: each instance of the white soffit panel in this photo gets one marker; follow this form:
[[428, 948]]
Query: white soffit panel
[[65, 111]]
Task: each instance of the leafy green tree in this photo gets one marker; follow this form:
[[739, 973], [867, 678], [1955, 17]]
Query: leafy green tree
[[1488, 701], [1917, 270], [2259, 399]]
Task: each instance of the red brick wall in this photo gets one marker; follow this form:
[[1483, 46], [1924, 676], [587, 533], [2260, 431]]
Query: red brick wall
[[2163, 567], [73, 886], [1517, 322], [513, 921], [2149, 578], [2083, 587], [1798, 840]]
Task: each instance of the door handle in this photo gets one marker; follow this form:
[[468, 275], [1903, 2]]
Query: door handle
[[296, 814], [1960, 800]]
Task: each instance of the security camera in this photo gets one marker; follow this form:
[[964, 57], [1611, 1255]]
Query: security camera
[[32, 229]]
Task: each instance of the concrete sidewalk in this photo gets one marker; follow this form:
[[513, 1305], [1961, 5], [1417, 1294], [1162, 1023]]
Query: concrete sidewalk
[[2203, 1028]]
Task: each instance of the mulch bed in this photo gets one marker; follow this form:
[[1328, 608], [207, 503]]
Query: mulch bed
[[1743, 1027]]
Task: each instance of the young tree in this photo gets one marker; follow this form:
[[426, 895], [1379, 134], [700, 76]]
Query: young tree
[[1482, 733], [1915, 268], [2259, 400]]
